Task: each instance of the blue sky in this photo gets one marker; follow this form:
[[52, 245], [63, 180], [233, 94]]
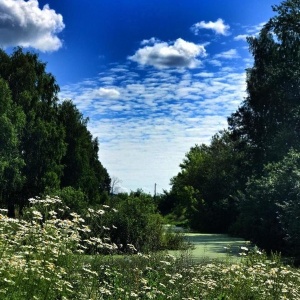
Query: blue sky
[[155, 77]]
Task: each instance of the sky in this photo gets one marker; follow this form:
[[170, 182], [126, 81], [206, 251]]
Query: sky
[[154, 77]]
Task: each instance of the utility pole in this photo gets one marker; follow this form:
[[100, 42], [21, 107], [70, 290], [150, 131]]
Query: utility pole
[[154, 190]]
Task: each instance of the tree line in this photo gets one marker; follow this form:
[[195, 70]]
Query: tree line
[[247, 180], [45, 146]]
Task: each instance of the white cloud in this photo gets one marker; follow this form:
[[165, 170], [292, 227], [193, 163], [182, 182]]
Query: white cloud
[[205, 74], [230, 54], [23, 23], [107, 93], [215, 62], [254, 30], [219, 27], [181, 54], [241, 37], [151, 41]]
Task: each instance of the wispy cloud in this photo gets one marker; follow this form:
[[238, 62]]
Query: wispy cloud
[[219, 27], [249, 32], [180, 54], [230, 54], [23, 23], [241, 37]]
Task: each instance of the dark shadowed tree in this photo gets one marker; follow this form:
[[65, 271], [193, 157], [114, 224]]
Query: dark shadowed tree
[[12, 121], [82, 168]]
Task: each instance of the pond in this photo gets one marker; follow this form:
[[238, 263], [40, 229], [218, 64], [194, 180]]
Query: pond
[[213, 246]]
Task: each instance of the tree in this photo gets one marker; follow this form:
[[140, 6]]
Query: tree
[[270, 205], [203, 190], [46, 146], [267, 123], [115, 185], [12, 121], [42, 139], [82, 168]]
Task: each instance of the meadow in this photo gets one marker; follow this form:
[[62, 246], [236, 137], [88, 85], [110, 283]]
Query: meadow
[[50, 253]]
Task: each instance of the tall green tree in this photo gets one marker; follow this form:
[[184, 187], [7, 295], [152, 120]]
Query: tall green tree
[[42, 141], [12, 120], [50, 142], [82, 168], [267, 123], [203, 190], [266, 127]]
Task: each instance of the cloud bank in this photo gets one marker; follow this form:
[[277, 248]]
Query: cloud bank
[[146, 120], [181, 54], [23, 23]]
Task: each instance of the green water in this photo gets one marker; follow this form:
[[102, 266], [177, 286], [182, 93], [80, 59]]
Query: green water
[[213, 246]]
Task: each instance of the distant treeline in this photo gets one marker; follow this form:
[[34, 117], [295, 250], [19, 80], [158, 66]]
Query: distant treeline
[[45, 146], [247, 180]]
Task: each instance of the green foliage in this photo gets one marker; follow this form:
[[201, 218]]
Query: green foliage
[[270, 207], [44, 146], [42, 257], [72, 198], [82, 168], [202, 190], [268, 120], [137, 222], [42, 254], [12, 121]]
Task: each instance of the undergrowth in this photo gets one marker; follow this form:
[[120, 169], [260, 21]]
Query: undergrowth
[[44, 256]]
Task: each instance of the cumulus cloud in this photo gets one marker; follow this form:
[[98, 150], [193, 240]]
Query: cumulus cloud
[[181, 54], [23, 23], [219, 27]]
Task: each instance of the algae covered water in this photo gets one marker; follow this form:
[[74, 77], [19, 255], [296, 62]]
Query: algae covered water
[[213, 246]]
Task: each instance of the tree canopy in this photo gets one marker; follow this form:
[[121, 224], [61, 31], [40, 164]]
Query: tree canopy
[[46, 144]]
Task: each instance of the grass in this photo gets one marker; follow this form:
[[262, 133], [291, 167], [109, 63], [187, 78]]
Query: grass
[[43, 257]]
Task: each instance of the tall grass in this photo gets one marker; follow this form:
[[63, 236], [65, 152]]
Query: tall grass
[[43, 256]]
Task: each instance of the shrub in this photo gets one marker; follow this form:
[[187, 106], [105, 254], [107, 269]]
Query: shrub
[[136, 223]]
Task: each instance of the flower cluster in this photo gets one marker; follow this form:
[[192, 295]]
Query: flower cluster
[[42, 253]]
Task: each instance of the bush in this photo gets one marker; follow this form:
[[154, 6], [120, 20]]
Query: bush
[[136, 223], [270, 207]]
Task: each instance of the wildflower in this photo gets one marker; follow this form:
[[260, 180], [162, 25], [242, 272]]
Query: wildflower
[[167, 263]]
